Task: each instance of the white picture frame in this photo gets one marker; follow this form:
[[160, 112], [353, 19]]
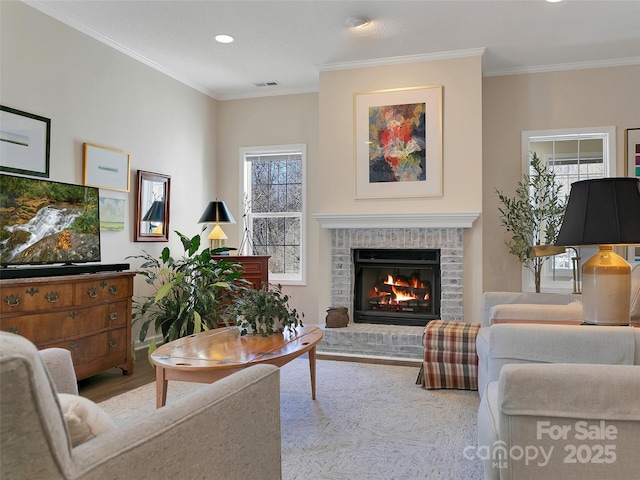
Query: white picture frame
[[106, 167]]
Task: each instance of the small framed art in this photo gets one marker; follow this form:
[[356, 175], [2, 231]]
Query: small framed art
[[106, 167]]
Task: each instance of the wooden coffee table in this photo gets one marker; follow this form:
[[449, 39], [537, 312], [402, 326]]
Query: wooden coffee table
[[214, 354]]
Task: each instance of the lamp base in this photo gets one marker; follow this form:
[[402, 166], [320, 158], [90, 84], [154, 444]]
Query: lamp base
[[606, 288]]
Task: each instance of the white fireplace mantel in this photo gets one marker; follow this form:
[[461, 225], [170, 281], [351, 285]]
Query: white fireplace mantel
[[397, 220]]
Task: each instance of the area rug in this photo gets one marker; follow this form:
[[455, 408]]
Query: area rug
[[368, 422]]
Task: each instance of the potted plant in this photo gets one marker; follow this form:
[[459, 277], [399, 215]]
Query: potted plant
[[190, 293], [533, 215], [265, 311]]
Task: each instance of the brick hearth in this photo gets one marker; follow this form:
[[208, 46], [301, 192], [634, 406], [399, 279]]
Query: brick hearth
[[368, 340]]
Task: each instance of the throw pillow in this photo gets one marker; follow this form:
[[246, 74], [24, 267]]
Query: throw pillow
[[85, 420]]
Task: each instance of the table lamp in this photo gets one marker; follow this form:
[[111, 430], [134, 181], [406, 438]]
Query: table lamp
[[217, 212], [603, 212]]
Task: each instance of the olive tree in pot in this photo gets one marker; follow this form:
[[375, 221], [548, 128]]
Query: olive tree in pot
[[265, 311], [533, 216], [190, 293]]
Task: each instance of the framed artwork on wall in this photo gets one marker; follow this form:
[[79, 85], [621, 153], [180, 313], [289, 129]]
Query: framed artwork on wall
[[106, 167], [25, 141], [398, 142], [632, 166]]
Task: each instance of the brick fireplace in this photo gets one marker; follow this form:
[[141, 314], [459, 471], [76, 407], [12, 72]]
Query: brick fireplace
[[441, 231]]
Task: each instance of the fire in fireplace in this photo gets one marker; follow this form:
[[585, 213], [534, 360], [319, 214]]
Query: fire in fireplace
[[396, 287]]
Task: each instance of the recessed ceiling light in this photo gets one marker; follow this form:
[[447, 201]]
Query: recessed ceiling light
[[224, 38], [553, 1], [357, 22]]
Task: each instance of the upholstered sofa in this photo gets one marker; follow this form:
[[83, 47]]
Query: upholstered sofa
[[534, 308], [227, 430]]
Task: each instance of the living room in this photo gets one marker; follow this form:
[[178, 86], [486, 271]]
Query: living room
[[97, 94]]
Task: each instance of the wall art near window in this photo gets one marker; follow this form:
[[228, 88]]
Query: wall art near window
[[24, 142], [152, 207], [112, 212], [106, 167], [632, 144], [398, 142]]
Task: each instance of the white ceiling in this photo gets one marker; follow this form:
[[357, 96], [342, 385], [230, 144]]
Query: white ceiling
[[291, 41]]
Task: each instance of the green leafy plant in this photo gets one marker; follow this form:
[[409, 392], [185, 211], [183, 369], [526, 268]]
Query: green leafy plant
[[533, 216], [265, 311], [191, 293]]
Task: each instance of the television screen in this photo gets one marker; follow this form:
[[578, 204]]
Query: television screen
[[45, 222]]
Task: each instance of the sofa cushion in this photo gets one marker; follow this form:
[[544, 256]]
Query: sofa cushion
[[536, 313], [84, 419], [561, 344]]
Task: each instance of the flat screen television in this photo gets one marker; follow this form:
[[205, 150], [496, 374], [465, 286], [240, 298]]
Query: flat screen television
[[44, 222]]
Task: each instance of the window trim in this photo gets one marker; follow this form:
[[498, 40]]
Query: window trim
[[608, 136], [296, 148]]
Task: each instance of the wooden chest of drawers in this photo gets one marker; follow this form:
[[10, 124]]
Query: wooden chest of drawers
[[255, 267], [88, 314]]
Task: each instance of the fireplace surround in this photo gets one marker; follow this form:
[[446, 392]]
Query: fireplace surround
[[442, 231]]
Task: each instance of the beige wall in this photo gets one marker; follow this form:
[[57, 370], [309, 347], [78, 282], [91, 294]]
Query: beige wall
[[279, 120], [324, 122], [93, 93], [462, 159], [96, 94], [512, 104]]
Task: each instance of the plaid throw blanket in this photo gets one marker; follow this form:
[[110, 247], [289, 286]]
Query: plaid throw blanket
[[450, 359]]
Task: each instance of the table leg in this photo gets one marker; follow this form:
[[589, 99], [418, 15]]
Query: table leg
[[312, 370], [161, 387]]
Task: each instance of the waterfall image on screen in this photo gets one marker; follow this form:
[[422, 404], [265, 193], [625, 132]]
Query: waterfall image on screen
[[44, 222]]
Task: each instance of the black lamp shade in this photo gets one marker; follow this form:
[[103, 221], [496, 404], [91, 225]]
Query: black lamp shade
[[217, 212], [603, 211], [155, 212]]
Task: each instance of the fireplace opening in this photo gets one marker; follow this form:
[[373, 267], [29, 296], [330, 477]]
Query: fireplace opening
[[396, 287]]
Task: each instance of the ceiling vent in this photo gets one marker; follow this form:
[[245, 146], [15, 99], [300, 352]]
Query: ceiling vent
[[267, 84]]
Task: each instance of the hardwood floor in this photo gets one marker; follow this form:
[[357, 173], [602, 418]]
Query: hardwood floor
[[112, 382]]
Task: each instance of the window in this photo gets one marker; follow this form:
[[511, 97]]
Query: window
[[273, 210], [573, 155]]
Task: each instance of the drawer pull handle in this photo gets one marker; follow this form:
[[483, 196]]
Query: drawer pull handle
[[12, 300], [31, 291], [73, 345], [113, 315], [92, 292], [12, 330], [52, 297], [73, 315], [113, 342], [113, 289]]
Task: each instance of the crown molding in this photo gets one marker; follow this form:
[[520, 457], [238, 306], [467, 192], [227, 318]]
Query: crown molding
[[397, 220], [377, 62], [616, 62]]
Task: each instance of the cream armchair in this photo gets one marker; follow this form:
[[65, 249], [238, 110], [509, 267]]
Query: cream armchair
[[561, 421], [227, 430], [581, 348]]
